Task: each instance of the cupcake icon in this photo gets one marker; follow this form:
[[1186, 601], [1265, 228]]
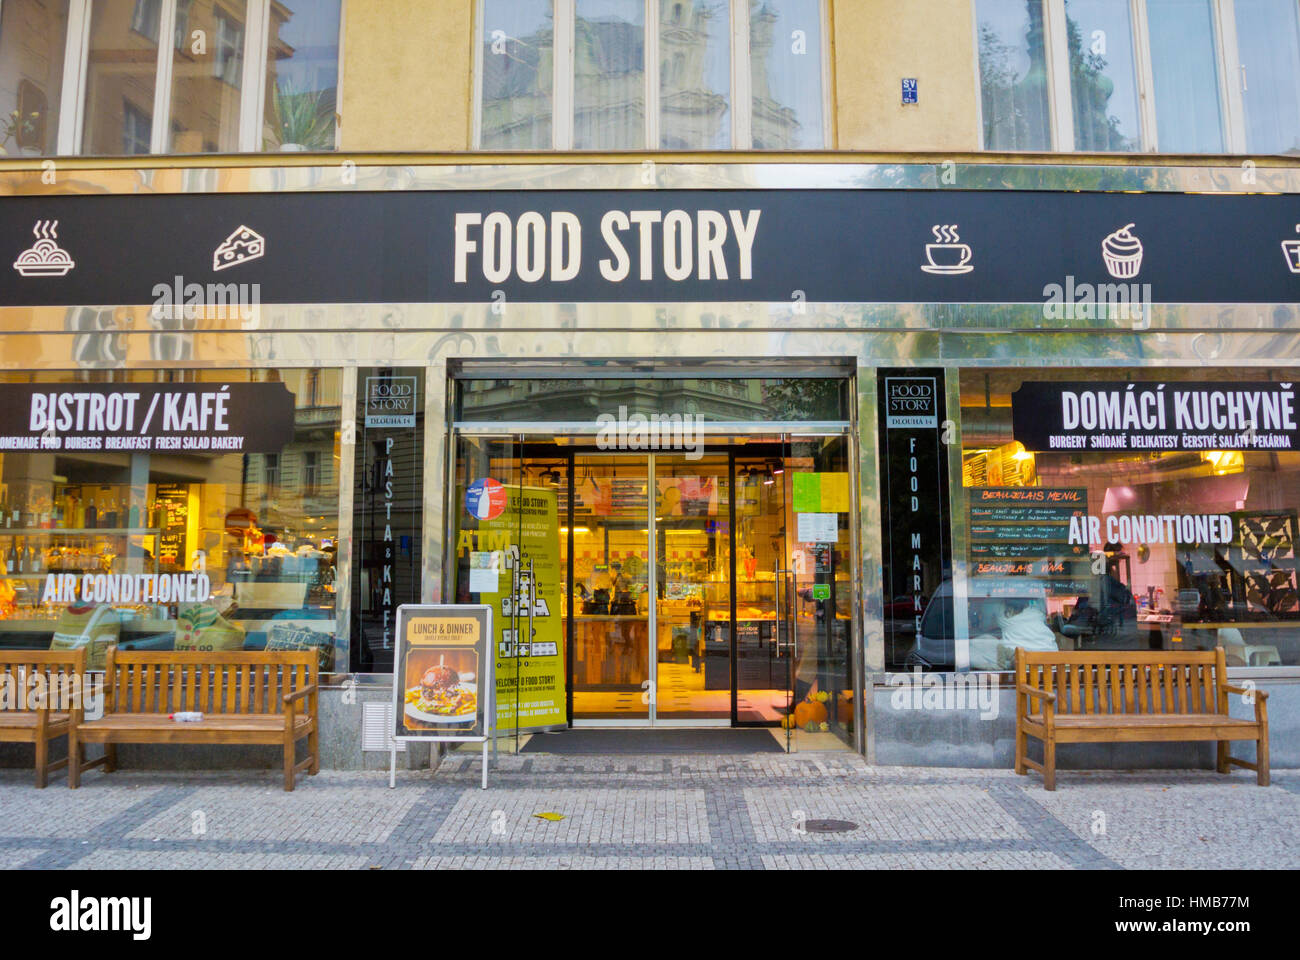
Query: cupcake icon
[[1123, 253]]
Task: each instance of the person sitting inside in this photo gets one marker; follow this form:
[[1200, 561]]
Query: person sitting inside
[[1020, 624], [1084, 614]]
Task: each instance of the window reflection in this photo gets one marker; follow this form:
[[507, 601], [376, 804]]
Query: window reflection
[[720, 400], [1268, 42], [516, 74], [302, 75], [786, 74], [207, 73], [1103, 85], [609, 75], [1013, 75], [121, 74], [32, 37], [694, 75], [1184, 68]]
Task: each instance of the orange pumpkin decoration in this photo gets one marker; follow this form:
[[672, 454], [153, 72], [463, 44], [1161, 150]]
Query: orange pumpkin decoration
[[845, 709], [809, 712]]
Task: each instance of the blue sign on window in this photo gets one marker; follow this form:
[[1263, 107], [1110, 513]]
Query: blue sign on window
[[909, 90]]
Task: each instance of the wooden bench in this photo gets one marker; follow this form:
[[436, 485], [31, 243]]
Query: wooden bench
[[246, 697], [29, 714], [1113, 696]]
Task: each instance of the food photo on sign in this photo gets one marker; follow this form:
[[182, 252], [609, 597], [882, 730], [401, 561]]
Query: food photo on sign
[[440, 686]]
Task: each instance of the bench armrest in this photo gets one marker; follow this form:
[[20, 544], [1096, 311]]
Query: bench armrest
[[1257, 694], [1035, 692], [299, 694]]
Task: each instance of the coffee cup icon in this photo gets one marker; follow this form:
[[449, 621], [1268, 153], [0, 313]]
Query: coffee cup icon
[[947, 255]]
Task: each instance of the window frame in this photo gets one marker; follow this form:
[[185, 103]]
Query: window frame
[[740, 105], [1060, 103], [252, 78]]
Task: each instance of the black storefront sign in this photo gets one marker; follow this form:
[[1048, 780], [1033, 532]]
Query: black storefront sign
[[389, 508], [917, 562], [211, 417], [1154, 416], [782, 246]]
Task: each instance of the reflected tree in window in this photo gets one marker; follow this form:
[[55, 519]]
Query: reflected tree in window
[[1013, 77]]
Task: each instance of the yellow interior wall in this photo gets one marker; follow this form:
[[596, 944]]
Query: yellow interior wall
[[407, 75], [879, 42]]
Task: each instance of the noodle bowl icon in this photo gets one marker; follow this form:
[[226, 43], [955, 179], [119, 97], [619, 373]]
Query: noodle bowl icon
[[44, 258]]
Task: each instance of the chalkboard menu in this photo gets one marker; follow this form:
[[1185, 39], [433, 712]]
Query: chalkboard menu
[[1024, 532], [171, 516]]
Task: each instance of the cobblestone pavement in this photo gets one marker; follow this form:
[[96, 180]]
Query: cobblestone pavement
[[678, 812]]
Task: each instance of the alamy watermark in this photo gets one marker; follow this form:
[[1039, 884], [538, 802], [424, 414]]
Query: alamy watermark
[[659, 431], [215, 301], [58, 692], [1096, 301], [947, 691]]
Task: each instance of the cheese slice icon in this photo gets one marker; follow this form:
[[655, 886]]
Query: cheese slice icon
[[241, 246]]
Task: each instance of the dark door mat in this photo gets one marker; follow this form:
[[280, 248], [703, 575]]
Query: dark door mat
[[586, 741]]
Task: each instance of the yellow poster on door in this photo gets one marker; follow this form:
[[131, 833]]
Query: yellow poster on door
[[530, 669]]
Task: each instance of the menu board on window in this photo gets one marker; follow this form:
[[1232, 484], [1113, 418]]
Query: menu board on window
[[1025, 532], [171, 517]]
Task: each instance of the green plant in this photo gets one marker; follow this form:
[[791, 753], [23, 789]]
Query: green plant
[[304, 117], [16, 127]]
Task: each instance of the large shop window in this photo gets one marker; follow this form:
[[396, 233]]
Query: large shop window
[[158, 537], [1116, 513], [1177, 76], [233, 75], [638, 74]]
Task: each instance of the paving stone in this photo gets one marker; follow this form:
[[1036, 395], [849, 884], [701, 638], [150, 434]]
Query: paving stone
[[589, 816], [360, 814], [988, 860], [215, 860], [884, 812], [1204, 820]]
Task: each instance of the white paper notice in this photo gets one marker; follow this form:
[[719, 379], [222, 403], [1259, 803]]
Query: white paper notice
[[485, 571], [818, 527]]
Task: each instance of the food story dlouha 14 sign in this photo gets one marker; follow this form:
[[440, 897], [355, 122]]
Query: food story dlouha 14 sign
[[146, 417], [442, 672]]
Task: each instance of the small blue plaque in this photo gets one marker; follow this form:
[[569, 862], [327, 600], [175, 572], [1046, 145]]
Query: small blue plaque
[[909, 90]]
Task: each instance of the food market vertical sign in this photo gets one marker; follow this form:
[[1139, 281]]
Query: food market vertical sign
[[442, 672], [914, 499]]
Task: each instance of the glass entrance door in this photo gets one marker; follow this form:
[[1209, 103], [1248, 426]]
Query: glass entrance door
[[693, 590], [816, 593], [611, 607], [652, 585]]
